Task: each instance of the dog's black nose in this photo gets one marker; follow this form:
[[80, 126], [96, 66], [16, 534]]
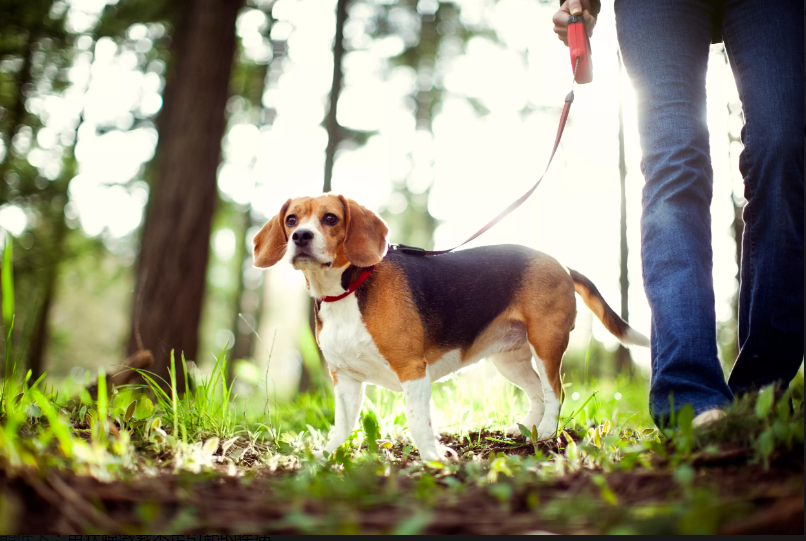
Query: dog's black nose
[[302, 237]]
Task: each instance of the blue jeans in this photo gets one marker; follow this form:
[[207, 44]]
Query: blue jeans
[[665, 46]]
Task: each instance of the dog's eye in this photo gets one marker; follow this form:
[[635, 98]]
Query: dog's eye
[[291, 220], [330, 219]]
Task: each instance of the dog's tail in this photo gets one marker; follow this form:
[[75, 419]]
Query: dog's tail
[[612, 322]]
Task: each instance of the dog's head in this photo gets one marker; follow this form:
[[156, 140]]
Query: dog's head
[[329, 231]]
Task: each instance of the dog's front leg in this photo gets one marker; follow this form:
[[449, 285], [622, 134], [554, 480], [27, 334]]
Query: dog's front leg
[[417, 394], [349, 394]]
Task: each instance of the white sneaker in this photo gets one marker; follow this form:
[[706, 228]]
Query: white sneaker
[[708, 417]]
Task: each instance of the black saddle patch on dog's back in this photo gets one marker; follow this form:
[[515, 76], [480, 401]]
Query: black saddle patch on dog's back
[[459, 294]]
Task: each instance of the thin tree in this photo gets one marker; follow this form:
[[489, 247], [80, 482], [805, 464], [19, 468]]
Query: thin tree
[[254, 80], [35, 37], [439, 23], [175, 241], [331, 123], [737, 228]]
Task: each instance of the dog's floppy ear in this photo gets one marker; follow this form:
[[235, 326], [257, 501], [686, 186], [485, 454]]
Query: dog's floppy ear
[[271, 241], [365, 238]]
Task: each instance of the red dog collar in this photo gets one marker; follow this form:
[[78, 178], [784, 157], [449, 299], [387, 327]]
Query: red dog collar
[[353, 285]]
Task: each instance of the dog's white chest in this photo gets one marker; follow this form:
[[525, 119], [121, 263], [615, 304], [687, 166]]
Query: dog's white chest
[[348, 346]]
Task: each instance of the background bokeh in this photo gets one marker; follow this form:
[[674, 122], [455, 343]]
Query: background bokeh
[[446, 114]]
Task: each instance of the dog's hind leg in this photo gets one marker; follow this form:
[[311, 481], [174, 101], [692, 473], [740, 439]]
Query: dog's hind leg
[[548, 354], [516, 366]]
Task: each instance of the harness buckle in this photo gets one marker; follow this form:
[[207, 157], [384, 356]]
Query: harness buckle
[[410, 250]]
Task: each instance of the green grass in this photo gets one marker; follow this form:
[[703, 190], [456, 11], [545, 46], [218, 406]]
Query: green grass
[[209, 429]]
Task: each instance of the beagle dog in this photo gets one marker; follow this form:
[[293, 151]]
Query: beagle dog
[[403, 321]]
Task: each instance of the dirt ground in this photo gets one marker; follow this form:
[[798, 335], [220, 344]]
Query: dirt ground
[[750, 501]]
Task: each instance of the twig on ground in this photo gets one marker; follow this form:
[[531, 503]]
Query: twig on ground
[[82, 507]]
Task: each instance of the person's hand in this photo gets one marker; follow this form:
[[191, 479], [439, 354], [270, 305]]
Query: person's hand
[[573, 7]]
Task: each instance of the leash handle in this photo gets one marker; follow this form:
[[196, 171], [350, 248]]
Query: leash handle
[[579, 45], [410, 250]]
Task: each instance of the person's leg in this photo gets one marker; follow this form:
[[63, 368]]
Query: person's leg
[[765, 48], [665, 47]]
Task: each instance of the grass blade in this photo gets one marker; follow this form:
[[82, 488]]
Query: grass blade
[[7, 278], [7, 285], [571, 417], [102, 405], [174, 399]]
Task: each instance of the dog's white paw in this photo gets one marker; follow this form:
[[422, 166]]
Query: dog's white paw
[[431, 456], [447, 453], [546, 430], [442, 453], [515, 430]]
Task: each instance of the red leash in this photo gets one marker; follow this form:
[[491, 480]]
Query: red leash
[[569, 99]]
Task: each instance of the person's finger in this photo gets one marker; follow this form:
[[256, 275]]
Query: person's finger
[[574, 7], [590, 22], [562, 34], [560, 18]]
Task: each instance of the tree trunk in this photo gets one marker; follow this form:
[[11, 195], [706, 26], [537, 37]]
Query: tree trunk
[[737, 227], [39, 338], [738, 232], [306, 379], [53, 261], [242, 347], [624, 360], [13, 122], [15, 114], [252, 89], [172, 266], [331, 123], [737, 200]]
